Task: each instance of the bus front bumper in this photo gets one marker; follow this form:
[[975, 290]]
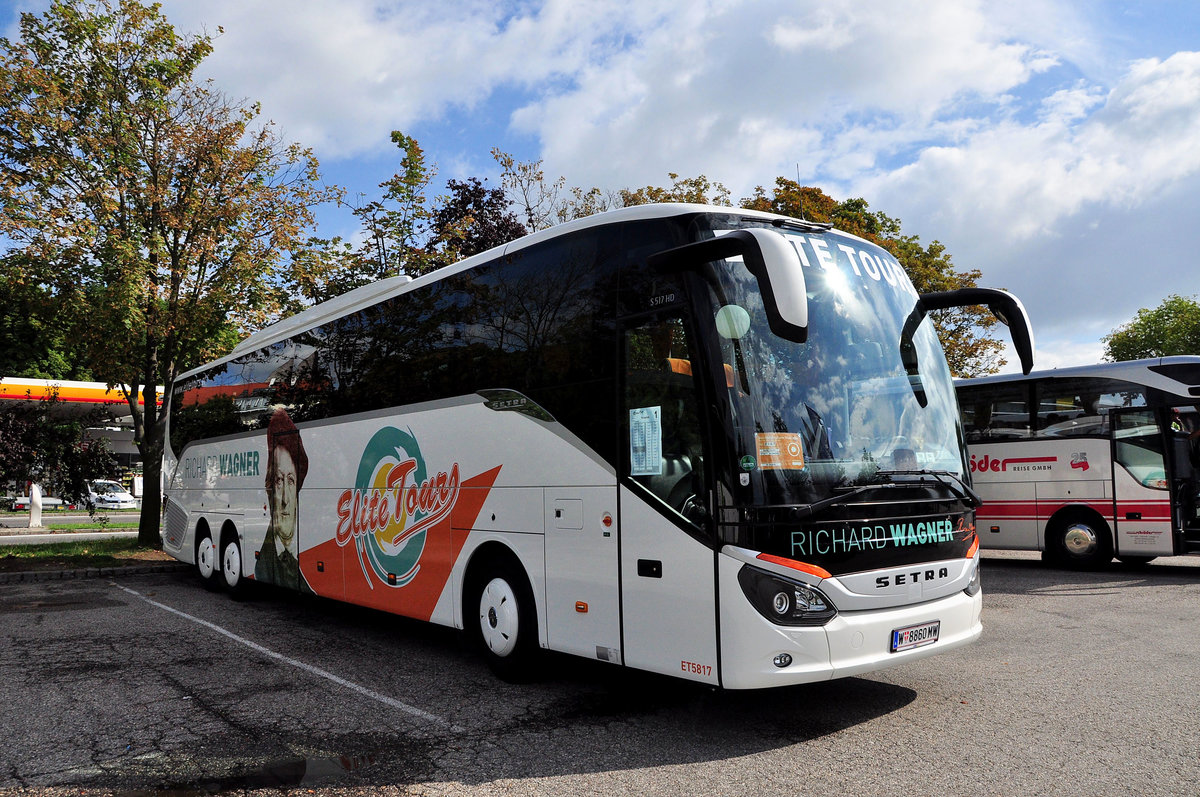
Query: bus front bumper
[[851, 643]]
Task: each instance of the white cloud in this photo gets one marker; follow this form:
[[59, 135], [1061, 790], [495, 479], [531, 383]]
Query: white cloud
[[1016, 179], [745, 93], [619, 92], [339, 75], [1087, 212]]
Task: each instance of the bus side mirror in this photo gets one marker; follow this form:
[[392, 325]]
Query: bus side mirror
[[1007, 308], [769, 257]]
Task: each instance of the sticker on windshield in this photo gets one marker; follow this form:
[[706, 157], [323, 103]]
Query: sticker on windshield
[[645, 441], [780, 450]]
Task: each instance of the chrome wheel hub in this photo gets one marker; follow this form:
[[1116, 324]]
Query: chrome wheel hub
[[1080, 540]]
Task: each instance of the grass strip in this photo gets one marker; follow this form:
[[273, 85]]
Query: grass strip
[[76, 554]]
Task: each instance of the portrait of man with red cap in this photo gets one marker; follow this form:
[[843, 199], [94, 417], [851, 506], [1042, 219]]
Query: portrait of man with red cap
[[287, 465]]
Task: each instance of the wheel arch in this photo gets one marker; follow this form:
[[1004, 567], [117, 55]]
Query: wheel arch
[[1070, 512], [228, 531], [1083, 514], [496, 559], [481, 561]]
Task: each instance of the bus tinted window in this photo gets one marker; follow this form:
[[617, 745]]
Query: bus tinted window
[[539, 322], [1080, 407], [995, 412]]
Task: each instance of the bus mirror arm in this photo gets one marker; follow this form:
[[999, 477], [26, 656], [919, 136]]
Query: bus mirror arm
[[774, 263], [1006, 307]]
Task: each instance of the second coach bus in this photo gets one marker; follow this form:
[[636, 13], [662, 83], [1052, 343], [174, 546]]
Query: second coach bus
[[1089, 462], [711, 443]]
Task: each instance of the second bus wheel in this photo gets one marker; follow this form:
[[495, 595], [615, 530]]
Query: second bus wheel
[[1079, 542], [503, 622]]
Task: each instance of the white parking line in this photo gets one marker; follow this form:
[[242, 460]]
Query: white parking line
[[362, 690]]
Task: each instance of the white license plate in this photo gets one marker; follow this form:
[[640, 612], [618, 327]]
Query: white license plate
[[914, 636]]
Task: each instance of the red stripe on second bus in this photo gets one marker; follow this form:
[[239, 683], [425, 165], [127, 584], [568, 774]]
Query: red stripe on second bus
[[1151, 511]]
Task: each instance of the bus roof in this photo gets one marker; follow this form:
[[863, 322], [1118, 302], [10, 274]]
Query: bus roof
[[374, 292], [1179, 374]]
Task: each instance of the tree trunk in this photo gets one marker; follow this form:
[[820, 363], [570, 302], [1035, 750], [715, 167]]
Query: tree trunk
[[151, 447], [149, 523]]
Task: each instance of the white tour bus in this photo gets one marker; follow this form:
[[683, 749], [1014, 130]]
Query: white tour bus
[[1087, 463], [712, 443]]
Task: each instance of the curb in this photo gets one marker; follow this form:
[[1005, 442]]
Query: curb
[[31, 576]]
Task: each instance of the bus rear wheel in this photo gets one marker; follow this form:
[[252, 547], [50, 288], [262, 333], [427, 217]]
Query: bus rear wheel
[[231, 567], [206, 561], [503, 622], [1080, 543]]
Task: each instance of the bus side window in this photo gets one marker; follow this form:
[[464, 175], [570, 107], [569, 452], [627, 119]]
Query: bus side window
[[995, 412], [666, 453]]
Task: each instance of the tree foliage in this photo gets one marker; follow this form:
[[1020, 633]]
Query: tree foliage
[[34, 342], [1171, 328], [150, 206], [41, 442], [965, 333], [696, 190], [473, 218], [404, 231], [546, 202], [397, 226]]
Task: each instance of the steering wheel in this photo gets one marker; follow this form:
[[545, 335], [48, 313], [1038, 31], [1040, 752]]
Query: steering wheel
[[694, 510]]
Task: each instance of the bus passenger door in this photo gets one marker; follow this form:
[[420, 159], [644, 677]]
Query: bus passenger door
[[1142, 500], [668, 593]]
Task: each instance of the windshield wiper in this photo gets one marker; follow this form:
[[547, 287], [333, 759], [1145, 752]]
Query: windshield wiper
[[953, 481], [956, 483], [835, 500]]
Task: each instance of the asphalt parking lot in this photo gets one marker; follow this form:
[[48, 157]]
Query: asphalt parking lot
[[1080, 685]]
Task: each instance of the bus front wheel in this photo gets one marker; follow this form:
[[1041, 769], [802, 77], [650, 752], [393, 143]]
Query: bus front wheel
[[503, 622], [1080, 543]]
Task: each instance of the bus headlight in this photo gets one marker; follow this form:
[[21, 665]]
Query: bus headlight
[[975, 584], [784, 601]]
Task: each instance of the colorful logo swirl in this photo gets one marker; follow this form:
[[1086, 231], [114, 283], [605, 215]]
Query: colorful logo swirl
[[392, 506]]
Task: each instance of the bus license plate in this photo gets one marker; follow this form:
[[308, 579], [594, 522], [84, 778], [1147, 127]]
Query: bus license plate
[[914, 636]]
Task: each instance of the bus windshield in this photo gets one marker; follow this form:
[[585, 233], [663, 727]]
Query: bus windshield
[[839, 410]]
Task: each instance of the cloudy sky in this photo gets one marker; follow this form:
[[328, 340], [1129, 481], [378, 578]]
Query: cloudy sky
[[1052, 144]]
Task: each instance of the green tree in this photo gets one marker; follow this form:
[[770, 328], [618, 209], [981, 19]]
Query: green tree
[[545, 202], [398, 225], [151, 206], [34, 342], [965, 332], [473, 218], [1171, 328], [697, 190]]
